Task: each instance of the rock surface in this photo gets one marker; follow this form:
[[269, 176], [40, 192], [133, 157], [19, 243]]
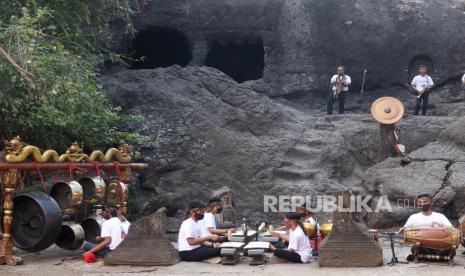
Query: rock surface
[[436, 169], [209, 132], [305, 40]]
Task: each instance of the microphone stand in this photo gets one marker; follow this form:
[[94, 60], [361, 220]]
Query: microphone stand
[[394, 259]]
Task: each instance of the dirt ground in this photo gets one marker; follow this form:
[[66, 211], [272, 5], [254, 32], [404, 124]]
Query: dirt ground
[[55, 261]]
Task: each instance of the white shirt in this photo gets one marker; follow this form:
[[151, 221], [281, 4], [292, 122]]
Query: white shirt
[[463, 77], [419, 219], [300, 243], [348, 82], [421, 83], [115, 229], [207, 222], [189, 229]]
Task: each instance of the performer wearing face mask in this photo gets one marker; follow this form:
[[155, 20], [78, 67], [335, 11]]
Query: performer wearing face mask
[[427, 218], [112, 234], [192, 246], [208, 223]]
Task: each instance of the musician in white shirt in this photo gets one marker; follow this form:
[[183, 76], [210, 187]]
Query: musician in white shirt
[[339, 89], [427, 218], [299, 249], [423, 84], [192, 246]]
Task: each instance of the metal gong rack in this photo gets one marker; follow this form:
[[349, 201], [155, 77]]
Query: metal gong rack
[[65, 214]]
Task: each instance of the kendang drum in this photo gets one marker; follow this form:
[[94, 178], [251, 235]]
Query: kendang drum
[[93, 188], [117, 192], [433, 237], [67, 194]]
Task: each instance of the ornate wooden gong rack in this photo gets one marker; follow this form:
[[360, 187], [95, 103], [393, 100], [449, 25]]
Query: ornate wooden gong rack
[[19, 157]]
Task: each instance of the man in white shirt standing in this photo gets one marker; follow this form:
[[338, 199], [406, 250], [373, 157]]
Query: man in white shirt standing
[[422, 84], [339, 89], [112, 234], [192, 246], [427, 218]]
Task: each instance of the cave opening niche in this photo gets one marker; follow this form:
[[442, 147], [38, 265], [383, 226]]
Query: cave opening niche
[[160, 47], [415, 64], [241, 60]]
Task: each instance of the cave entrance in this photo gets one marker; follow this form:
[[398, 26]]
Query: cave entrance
[[415, 64], [160, 47], [242, 61]]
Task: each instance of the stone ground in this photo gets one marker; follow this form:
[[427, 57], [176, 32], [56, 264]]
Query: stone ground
[[55, 261]]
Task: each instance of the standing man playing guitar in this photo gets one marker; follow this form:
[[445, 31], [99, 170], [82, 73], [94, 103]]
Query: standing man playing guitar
[[422, 84], [339, 89]]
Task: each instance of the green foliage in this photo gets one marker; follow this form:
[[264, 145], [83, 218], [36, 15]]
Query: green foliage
[[58, 45]]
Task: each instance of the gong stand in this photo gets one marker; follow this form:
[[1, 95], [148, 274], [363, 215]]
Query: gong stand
[[18, 158]]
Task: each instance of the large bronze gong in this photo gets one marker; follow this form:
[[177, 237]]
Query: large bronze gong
[[92, 228], [36, 221]]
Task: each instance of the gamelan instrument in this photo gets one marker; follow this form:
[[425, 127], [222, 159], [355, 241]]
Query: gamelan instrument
[[309, 228], [230, 254], [325, 229], [67, 194], [36, 221], [256, 252], [387, 110], [434, 237], [71, 236], [93, 189]]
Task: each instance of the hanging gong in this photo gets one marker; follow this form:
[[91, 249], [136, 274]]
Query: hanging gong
[[71, 236], [36, 221], [94, 189], [67, 194], [387, 110]]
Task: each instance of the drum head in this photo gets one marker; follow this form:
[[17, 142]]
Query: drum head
[[387, 110]]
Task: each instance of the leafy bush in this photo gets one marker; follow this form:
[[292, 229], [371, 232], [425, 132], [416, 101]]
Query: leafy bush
[[49, 93]]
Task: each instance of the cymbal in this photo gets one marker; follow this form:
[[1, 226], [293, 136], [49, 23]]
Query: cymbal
[[387, 110]]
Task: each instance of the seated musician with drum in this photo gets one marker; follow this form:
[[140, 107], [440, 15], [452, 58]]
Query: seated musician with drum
[[192, 246], [298, 250], [114, 230], [208, 223], [426, 218]]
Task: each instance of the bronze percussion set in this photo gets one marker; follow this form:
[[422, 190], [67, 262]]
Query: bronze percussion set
[[41, 219]]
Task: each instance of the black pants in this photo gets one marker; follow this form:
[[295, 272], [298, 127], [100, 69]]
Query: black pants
[[424, 99], [290, 256], [341, 100], [199, 254]]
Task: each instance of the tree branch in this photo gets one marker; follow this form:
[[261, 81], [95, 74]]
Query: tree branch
[[25, 74]]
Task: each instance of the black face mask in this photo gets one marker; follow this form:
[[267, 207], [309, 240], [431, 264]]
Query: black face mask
[[425, 207], [198, 216]]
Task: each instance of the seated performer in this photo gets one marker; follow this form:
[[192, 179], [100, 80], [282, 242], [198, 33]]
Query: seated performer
[[299, 250], [306, 215], [208, 223], [426, 218], [192, 246], [422, 83], [339, 89], [113, 233]]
